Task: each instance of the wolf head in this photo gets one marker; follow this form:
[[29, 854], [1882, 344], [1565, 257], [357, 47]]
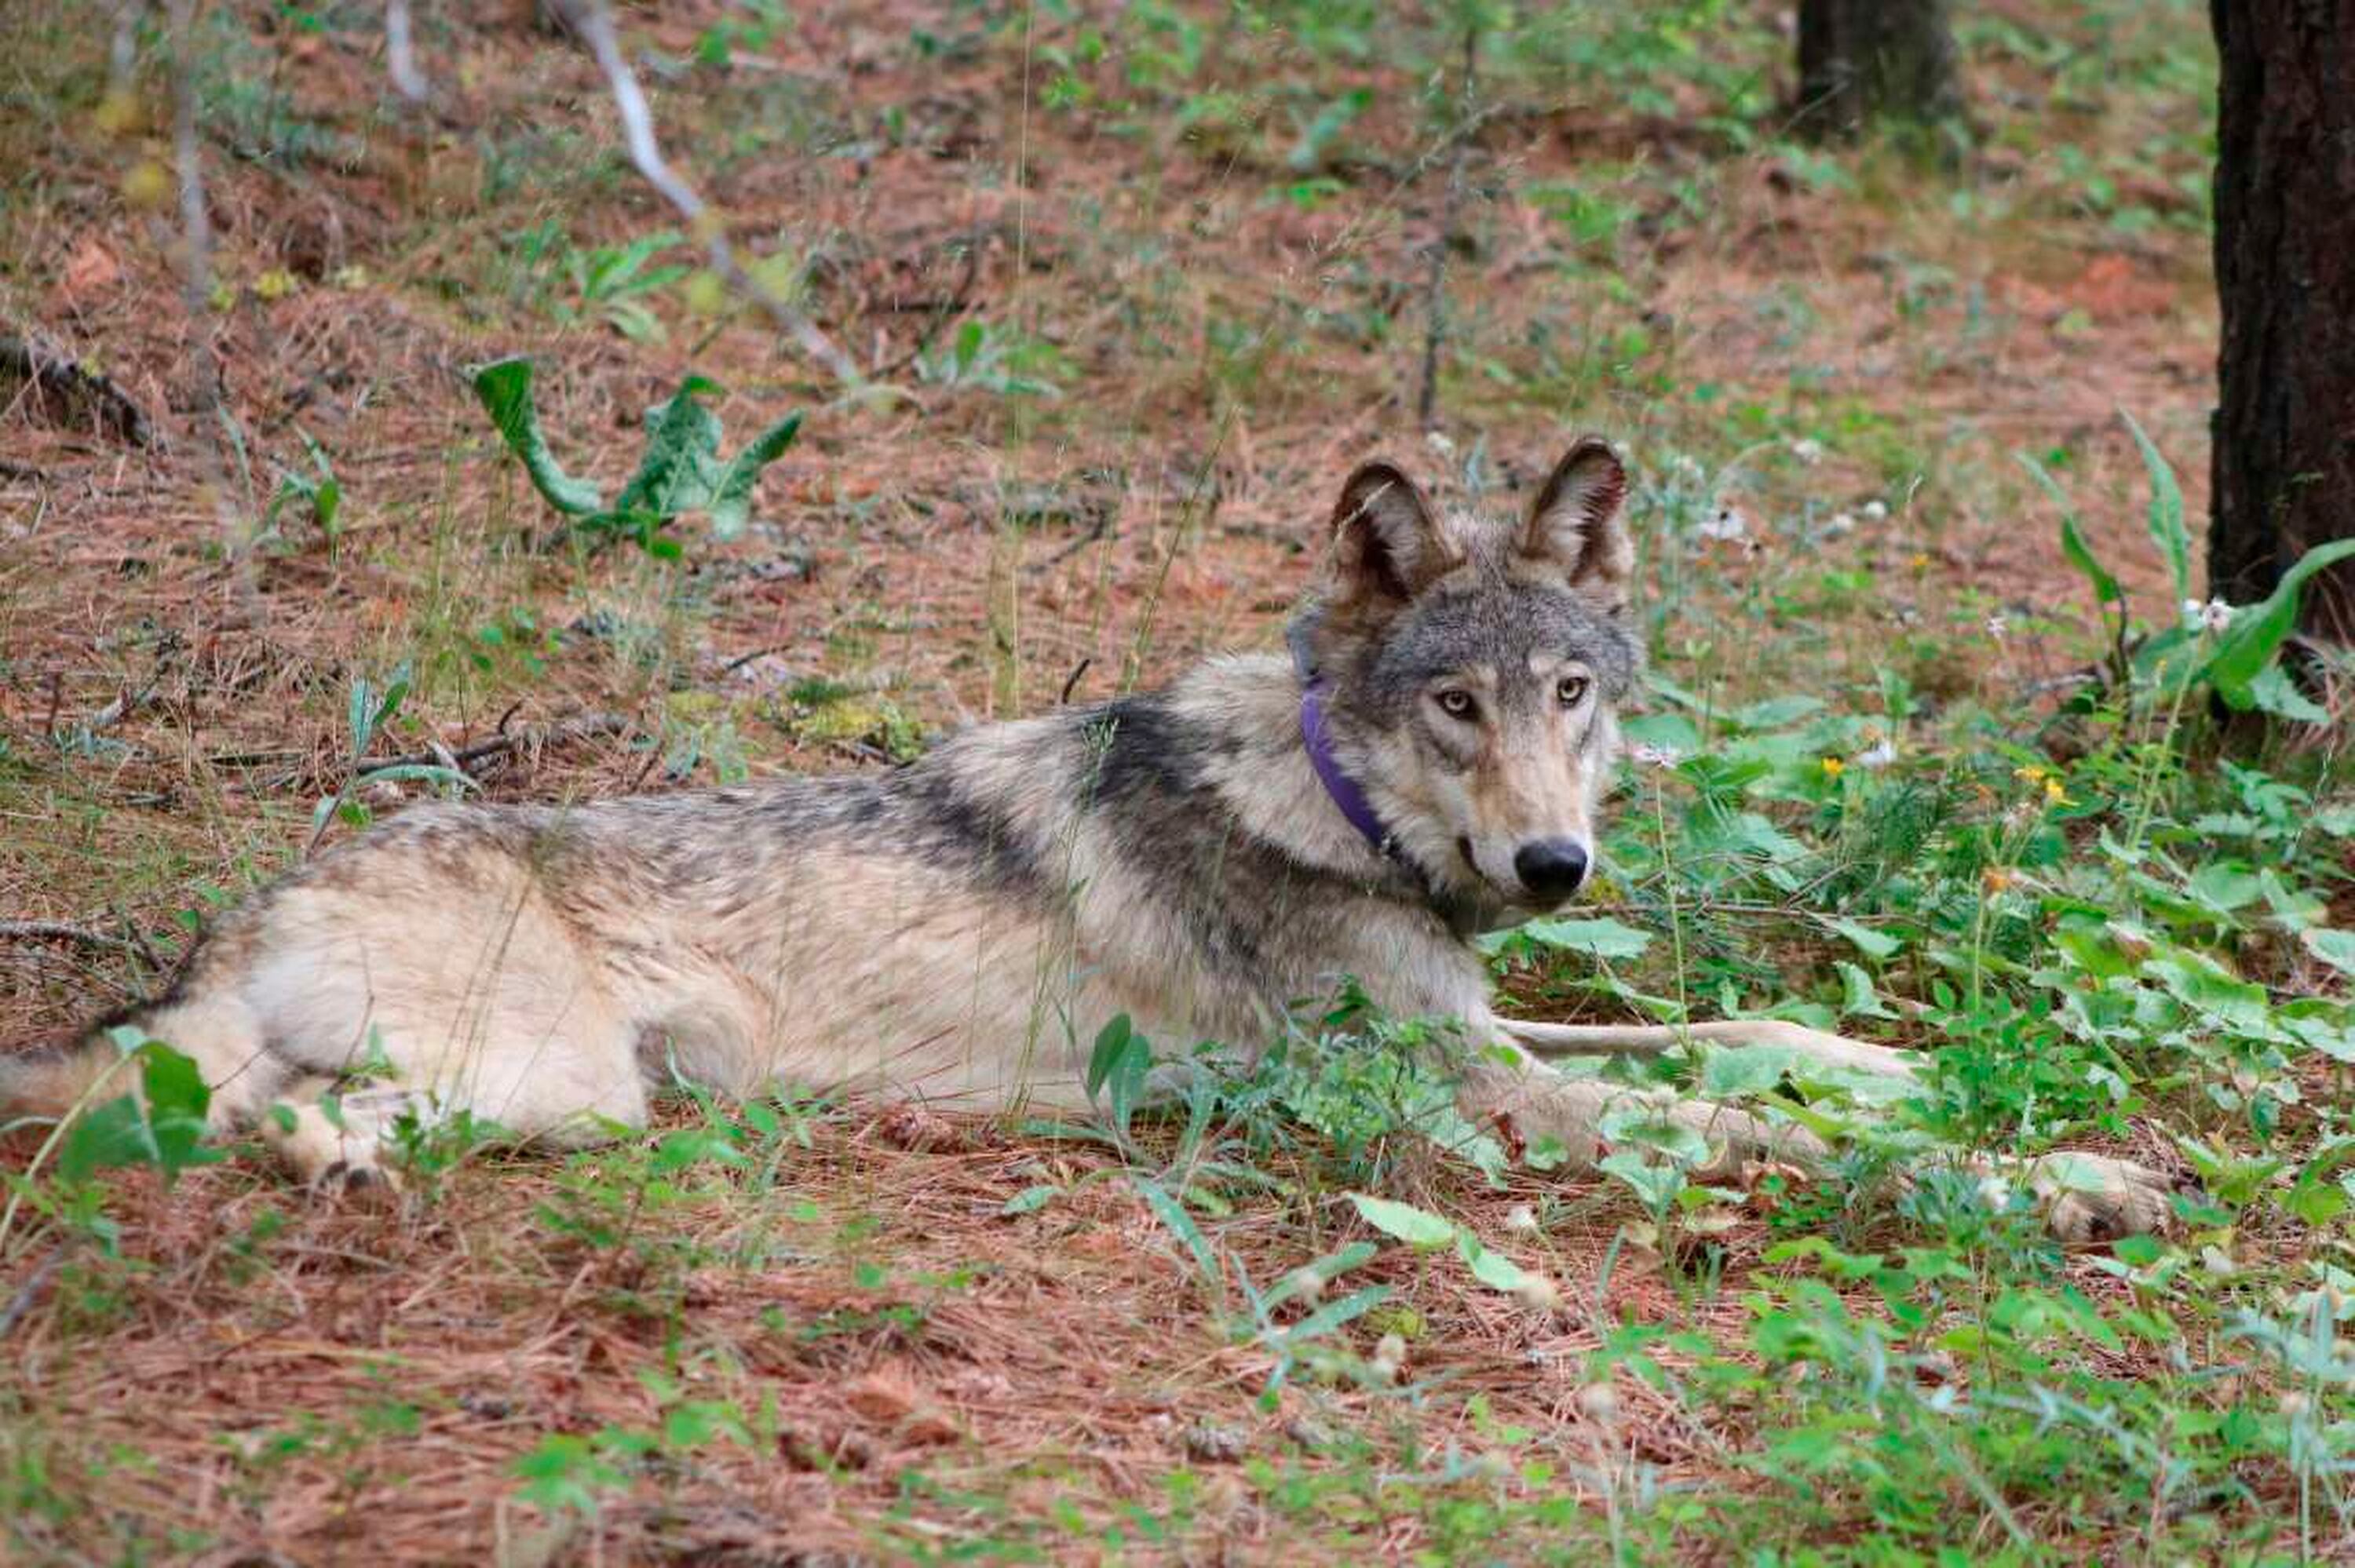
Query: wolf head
[[1473, 669]]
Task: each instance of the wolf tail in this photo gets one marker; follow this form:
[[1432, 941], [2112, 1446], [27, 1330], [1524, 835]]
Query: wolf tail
[[48, 1079], [218, 1032]]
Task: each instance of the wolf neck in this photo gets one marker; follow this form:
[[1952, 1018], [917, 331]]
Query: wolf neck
[[1340, 786], [1246, 712]]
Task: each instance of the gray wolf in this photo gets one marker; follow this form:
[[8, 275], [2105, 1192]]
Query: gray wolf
[[1425, 765]]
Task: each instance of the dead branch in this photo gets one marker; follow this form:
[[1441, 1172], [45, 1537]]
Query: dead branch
[[400, 54], [196, 284], [464, 758], [62, 931], [71, 384], [593, 23], [1426, 403]]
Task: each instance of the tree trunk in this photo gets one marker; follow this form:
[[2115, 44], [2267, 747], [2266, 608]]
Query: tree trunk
[[1861, 60], [2283, 469]]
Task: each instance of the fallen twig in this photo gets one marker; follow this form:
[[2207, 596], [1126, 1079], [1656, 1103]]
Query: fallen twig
[[594, 24], [401, 56], [465, 758], [70, 382], [1426, 403], [62, 931], [30, 1290]]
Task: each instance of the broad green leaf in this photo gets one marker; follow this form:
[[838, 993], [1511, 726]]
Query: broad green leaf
[[1334, 1314], [505, 388], [2335, 949], [2106, 589], [1644, 1127], [1030, 1199], [1492, 1269], [1656, 1185], [1112, 1043], [731, 498], [1668, 732], [1749, 1070], [2256, 633], [1775, 713], [1601, 939], [681, 463], [2226, 884], [1859, 997], [2273, 692], [1878, 946], [1404, 1221], [1172, 1214], [2167, 529], [2205, 986], [162, 1126]]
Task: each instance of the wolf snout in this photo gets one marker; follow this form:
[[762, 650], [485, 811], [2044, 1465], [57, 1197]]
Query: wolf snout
[[1551, 869]]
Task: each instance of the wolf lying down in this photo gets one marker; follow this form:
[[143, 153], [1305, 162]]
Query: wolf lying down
[[1425, 766]]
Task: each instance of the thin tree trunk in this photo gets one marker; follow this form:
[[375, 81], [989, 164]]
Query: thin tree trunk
[[1861, 60], [2283, 468]]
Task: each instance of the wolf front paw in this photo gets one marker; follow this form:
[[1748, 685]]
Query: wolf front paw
[[354, 1181]]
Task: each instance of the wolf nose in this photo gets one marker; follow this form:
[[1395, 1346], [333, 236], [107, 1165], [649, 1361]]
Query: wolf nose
[[1550, 868]]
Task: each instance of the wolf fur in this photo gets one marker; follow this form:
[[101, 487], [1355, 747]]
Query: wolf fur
[[961, 928]]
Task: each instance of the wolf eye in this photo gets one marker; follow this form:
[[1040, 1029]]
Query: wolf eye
[[1572, 690], [1456, 703]]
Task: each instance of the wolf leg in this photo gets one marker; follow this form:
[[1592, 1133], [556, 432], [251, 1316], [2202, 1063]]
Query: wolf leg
[[1539, 1102], [332, 1152], [2085, 1197], [1657, 1040]]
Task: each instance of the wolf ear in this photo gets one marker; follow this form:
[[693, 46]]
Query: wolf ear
[[1385, 544], [1575, 524]]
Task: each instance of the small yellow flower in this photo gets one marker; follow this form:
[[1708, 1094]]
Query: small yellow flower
[[146, 185], [1922, 563], [275, 284], [1833, 767], [2056, 794], [2031, 773], [120, 112]]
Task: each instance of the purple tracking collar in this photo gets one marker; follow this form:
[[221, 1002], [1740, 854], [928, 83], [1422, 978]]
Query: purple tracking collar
[[1344, 790]]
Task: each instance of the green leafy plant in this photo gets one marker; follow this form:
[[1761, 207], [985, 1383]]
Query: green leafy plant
[[2233, 650], [367, 708], [679, 473], [319, 491], [614, 281]]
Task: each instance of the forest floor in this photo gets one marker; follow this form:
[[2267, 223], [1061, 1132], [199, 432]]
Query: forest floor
[[1128, 295]]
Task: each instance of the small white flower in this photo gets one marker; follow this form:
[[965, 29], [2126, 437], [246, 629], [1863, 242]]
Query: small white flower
[[1687, 465], [1307, 1286], [1995, 1194], [1440, 442], [1724, 525], [1808, 450], [2213, 617], [1841, 523], [1389, 1357], [1521, 1218], [1599, 1403], [1997, 627], [1874, 511], [1538, 1293], [1880, 754], [1653, 756]]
